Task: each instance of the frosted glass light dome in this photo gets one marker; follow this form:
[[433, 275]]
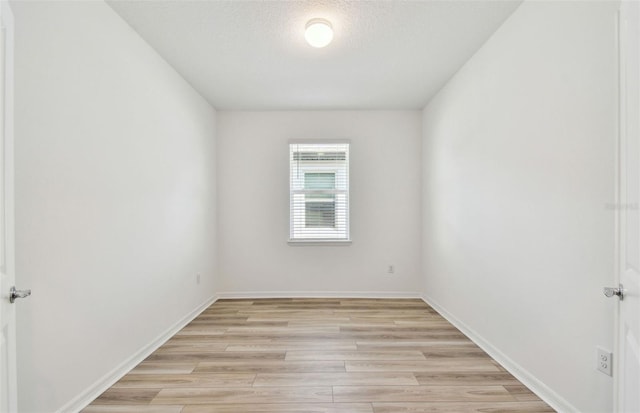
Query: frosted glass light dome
[[318, 32]]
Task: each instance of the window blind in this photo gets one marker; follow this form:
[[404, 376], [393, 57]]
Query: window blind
[[319, 191]]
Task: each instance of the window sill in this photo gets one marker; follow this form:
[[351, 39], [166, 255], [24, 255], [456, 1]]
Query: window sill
[[319, 242]]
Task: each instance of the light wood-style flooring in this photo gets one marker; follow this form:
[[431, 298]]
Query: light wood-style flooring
[[318, 356]]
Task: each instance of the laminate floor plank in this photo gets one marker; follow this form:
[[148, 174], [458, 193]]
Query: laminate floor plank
[[223, 324], [127, 396], [335, 379], [245, 395], [201, 332], [307, 346], [132, 408], [430, 350], [395, 335], [370, 394], [223, 339], [381, 313], [165, 381], [354, 355], [372, 324], [271, 312], [467, 378], [415, 343], [191, 346], [393, 328], [310, 355], [163, 368], [270, 367], [521, 392], [283, 330], [422, 322], [249, 337], [421, 366], [463, 407], [310, 318], [216, 355], [444, 352], [282, 408]]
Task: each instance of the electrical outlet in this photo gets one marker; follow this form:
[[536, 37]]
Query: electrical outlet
[[391, 269], [197, 278], [605, 361]]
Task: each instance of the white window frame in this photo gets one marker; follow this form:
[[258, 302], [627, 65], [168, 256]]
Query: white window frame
[[326, 239]]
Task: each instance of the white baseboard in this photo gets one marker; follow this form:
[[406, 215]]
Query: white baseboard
[[318, 294], [92, 392], [543, 391]]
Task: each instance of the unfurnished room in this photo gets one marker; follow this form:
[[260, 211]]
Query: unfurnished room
[[321, 206]]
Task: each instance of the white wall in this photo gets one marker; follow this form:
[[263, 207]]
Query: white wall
[[115, 169], [518, 158], [253, 204]]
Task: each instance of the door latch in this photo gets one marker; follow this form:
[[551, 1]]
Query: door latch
[[611, 291], [13, 294]]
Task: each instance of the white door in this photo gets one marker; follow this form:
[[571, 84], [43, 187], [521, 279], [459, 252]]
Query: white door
[[8, 394], [627, 357]]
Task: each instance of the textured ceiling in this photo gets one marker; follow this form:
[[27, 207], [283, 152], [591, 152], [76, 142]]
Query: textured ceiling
[[252, 54]]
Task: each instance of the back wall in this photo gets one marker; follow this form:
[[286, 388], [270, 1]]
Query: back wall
[[253, 205]]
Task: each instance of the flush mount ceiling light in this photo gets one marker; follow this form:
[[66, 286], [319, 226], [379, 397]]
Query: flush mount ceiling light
[[318, 32]]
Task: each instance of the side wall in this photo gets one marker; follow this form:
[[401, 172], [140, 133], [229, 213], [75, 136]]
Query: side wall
[[115, 181], [253, 170], [519, 161]]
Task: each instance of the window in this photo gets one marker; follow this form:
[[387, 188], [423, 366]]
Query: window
[[319, 191], [320, 209]]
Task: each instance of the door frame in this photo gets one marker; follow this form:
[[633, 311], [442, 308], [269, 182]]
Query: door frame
[[623, 49], [7, 246]]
